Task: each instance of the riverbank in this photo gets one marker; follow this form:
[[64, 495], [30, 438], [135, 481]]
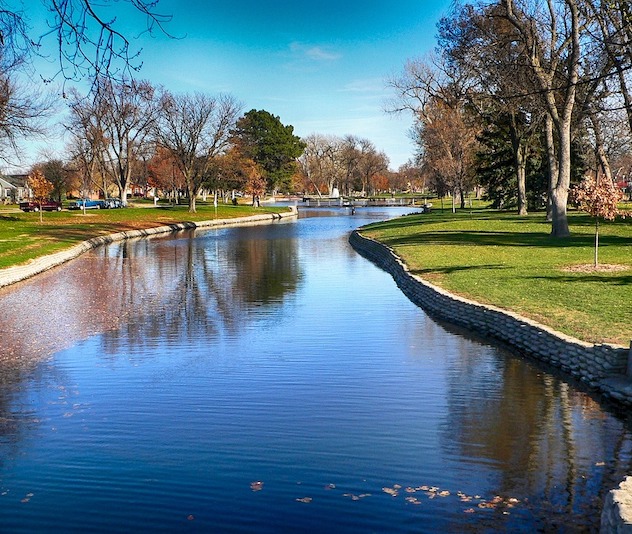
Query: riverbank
[[39, 264], [23, 237], [503, 260]]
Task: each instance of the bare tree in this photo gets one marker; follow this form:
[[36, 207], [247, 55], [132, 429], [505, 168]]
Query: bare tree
[[438, 95], [550, 37], [22, 114], [320, 162], [88, 36], [130, 110], [88, 143], [195, 129]]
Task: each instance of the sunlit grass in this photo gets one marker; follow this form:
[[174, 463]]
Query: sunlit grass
[[23, 237], [512, 262]]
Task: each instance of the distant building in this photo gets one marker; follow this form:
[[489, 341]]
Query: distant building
[[13, 188]]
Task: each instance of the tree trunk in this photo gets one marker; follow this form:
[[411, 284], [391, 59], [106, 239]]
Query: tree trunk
[[521, 175], [596, 242], [519, 147], [559, 193], [552, 160], [602, 158], [192, 196]]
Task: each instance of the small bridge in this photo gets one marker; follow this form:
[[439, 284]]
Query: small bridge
[[348, 202]]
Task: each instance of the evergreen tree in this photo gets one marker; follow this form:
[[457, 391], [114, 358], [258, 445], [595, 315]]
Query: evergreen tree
[[261, 137]]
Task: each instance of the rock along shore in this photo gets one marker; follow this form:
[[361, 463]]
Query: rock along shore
[[12, 275]]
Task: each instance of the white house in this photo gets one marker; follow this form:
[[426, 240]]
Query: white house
[[13, 188]]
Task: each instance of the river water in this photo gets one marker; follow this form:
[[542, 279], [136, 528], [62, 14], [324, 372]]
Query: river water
[[269, 379]]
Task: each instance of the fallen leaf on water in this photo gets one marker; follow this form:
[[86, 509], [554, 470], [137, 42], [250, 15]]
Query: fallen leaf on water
[[391, 491], [354, 497], [469, 511]]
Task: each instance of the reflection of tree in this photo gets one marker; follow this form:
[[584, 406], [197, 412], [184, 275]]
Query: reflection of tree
[[526, 425], [195, 288]]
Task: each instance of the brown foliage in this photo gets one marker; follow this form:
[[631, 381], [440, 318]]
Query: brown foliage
[[598, 198], [40, 186]]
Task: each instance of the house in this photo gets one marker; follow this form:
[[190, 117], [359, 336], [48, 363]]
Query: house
[[13, 188]]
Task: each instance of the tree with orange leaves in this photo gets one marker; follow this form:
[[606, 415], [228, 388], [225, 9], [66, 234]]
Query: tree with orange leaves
[[41, 188]]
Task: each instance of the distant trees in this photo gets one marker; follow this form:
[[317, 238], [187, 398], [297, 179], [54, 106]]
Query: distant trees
[[348, 164], [56, 172], [195, 130], [111, 129], [264, 139]]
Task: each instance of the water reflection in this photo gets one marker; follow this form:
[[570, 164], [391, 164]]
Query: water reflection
[[193, 288], [538, 436]]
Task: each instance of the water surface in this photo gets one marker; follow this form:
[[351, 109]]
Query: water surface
[[270, 379]]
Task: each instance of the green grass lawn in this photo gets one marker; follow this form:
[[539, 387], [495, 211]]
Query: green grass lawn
[[23, 237], [512, 262]]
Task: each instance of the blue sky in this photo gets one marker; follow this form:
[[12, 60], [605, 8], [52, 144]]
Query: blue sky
[[320, 66]]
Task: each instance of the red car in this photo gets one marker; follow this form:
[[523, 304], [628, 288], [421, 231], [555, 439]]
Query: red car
[[45, 205]]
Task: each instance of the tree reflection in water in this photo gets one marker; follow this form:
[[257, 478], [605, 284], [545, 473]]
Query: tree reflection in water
[[513, 431], [195, 289]]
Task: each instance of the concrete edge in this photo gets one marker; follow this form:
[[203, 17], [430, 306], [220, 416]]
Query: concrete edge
[[18, 273]]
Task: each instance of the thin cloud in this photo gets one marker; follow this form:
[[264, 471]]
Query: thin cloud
[[314, 53], [370, 85]]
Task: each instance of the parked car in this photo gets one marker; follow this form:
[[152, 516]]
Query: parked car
[[86, 203], [44, 205], [111, 203]]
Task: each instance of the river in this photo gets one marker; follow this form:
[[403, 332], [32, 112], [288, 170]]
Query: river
[[270, 379]]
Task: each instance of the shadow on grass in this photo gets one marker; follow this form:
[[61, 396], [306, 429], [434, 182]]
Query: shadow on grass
[[502, 239], [607, 278], [458, 268]]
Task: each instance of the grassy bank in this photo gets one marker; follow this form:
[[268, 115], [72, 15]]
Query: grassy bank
[[23, 237], [513, 263]]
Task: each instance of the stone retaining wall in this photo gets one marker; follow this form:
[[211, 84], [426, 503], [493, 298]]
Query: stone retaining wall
[[602, 367], [616, 515], [18, 273], [589, 363]]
